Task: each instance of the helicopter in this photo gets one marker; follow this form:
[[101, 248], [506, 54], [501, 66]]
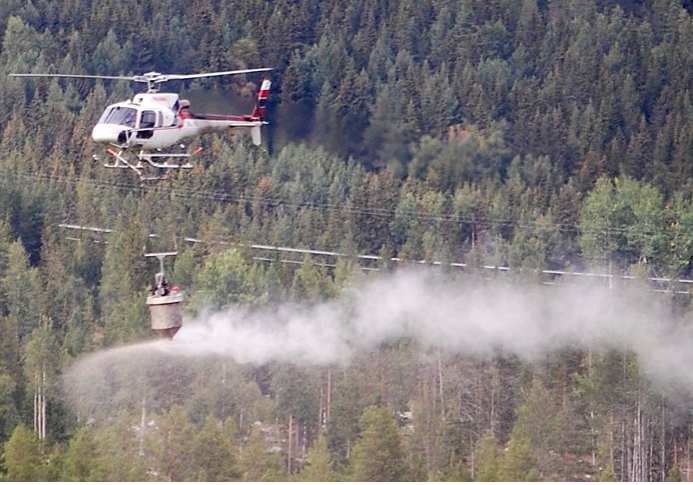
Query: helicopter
[[139, 130]]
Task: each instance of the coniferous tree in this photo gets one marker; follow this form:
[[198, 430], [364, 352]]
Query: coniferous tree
[[22, 456], [519, 463], [118, 448], [378, 453], [170, 445], [9, 414], [212, 457], [21, 289], [486, 459], [82, 457], [254, 458], [320, 464]]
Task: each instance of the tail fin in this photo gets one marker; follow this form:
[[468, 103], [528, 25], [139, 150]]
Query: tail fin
[[259, 111]]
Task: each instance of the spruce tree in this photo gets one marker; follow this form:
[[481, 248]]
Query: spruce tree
[[378, 453]]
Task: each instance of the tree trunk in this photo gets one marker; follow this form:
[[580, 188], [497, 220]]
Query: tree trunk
[[291, 442]]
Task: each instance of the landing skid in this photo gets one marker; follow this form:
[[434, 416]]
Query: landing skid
[[161, 160]]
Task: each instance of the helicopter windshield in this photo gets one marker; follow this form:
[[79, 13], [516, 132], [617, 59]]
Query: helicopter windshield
[[120, 115]]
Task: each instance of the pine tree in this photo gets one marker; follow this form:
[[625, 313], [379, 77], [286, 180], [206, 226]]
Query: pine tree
[[320, 466], [9, 414], [21, 289], [378, 452], [457, 471], [309, 282], [82, 457], [211, 454], [124, 278], [118, 446], [22, 457], [254, 457], [171, 444], [519, 464], [487, 462]]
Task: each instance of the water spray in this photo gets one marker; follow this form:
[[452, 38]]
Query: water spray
[[440, 313]]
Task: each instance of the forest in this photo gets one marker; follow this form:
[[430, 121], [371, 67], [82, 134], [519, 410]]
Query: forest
[[396, 285]]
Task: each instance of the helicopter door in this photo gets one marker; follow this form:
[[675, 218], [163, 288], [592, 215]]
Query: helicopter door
[[147, 121]]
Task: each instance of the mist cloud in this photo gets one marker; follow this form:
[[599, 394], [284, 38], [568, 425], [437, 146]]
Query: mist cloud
[[464, 317], [471, 317]]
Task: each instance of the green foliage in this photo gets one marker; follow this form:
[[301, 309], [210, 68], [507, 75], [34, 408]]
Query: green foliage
[[122, 279], [82, 457], [378, 454], [293, 389], [519, 463], [169, 445], [487, 460], [9, 414], [309, 284], [607, 474], [254, 459], [212, 454], [227, 279], [457, 471], [674, 474], [21, 288], [622, 220], [320, 466], [117, 452], [22, 457], [541, 429]]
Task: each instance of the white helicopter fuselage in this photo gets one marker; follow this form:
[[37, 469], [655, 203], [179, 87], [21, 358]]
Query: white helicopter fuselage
[[153, 121]]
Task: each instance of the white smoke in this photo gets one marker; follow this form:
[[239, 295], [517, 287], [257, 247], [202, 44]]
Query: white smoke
[[455, 316], [463, 317]]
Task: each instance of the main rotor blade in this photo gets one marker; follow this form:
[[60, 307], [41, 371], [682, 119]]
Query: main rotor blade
[[211, 74], [85, 76]]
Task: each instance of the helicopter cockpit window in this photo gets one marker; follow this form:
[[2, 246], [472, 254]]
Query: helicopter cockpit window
[[148, 119], [147, 123], [121, 115]]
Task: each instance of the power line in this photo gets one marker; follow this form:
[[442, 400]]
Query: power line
[[342, 208], [660, 281]]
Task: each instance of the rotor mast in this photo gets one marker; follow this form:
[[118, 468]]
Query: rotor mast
[[153, 79]]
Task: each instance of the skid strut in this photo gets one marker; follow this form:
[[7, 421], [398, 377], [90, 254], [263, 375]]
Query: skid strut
[[166, 161]]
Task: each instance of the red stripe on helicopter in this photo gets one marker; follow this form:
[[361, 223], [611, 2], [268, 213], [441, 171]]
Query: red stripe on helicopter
[[264, 89]]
